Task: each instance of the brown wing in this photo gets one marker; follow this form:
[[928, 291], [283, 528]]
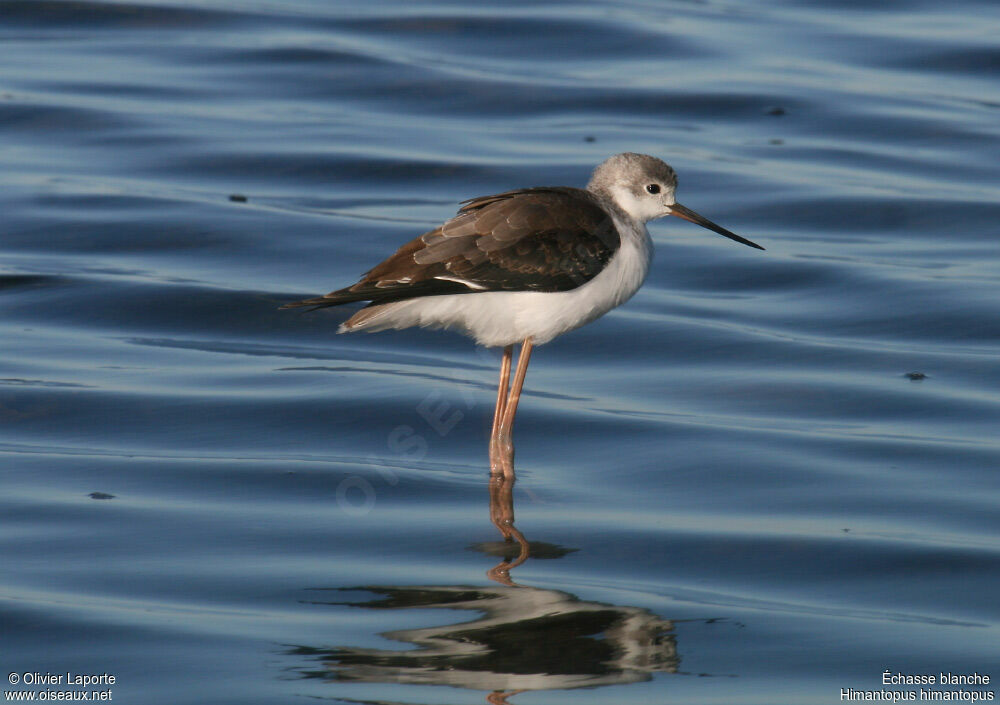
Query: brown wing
[[537, 239]]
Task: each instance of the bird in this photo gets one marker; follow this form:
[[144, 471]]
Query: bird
[[523, 267]]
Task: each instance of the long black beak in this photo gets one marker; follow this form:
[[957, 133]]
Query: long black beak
[[688, 214]]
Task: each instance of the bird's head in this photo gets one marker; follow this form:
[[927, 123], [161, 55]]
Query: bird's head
[[643, 187]]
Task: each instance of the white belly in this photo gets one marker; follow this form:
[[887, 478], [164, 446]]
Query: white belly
[[506, 317]]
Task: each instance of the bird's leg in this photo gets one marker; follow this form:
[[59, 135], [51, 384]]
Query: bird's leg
[[508, 353], [499, 461], [510, 408]]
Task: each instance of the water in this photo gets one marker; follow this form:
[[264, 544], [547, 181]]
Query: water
[[732, 490]]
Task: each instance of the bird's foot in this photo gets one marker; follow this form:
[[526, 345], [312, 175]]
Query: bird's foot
[[502, 456]]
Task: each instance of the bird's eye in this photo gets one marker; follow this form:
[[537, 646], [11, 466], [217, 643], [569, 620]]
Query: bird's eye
[[653, 188]]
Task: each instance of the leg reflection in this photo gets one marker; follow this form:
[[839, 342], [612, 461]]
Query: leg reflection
[[502, 515]]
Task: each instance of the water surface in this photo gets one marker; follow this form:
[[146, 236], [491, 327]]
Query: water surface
[[770, 476]]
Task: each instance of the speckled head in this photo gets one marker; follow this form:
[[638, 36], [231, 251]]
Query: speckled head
[[643, 187]]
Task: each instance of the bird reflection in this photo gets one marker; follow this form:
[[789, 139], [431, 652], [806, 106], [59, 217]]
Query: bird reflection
[[523, 638], [520, 638]]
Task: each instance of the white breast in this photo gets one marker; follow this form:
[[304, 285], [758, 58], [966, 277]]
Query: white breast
[[506, 317]]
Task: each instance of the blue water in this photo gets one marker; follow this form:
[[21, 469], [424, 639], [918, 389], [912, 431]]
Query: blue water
[[732, 490]]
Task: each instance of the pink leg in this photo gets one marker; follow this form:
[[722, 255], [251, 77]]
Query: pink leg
[[510, 408], [508, 353]]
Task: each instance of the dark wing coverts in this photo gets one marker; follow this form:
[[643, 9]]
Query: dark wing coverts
[[537, 239]]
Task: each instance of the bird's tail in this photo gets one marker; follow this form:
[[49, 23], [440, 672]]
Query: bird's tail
[[335, 298], [376, 294]]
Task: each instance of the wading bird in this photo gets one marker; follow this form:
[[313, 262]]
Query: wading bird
[[524, 266]]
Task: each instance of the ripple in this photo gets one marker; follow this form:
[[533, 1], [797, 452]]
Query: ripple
[[121, 15]]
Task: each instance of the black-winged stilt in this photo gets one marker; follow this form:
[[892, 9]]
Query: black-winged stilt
[[524, 266]]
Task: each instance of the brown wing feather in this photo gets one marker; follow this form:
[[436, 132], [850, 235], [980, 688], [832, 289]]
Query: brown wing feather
[[538, 239]]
